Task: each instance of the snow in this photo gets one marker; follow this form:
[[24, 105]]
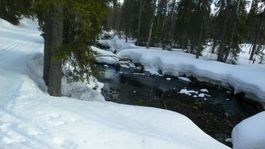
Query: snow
[[187, 92], [249, 134], [30, 118], [185, 79], [202, 94], [168, 79], [204, 90], [105, 57], [81, 90], [246, 78], [116, 44]]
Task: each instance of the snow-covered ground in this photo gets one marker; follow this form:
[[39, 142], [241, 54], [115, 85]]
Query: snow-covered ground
[[30, 118]]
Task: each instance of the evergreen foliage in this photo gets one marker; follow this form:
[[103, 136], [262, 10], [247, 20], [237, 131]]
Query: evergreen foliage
[[12, 10], [82, 21]]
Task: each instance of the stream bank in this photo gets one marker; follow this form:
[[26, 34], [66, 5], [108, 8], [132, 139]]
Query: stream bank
[[214, 109]]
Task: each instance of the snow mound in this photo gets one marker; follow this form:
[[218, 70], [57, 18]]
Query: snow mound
[[105, 57], [250, 133], [90, 91]]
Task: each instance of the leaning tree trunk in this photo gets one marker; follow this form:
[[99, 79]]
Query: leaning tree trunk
[[151, 28], [55, 37], [258, 32], [254, 46], [150, 33]]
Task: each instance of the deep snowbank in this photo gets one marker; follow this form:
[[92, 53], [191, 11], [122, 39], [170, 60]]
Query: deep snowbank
[[248, 79], [250, 133], [90, 91], [30, 118]]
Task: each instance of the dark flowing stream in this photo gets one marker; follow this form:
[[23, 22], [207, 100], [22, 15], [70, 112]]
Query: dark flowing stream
[[214, 109]]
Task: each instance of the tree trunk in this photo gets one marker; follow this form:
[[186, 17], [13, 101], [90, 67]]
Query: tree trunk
[[255, 42], [150, 33], [151, 28], [114, 17], [233, 32], [170, 33], [220, 56], [53, 64], [214, 46], [198, 52], [200, 11], [126, 37], [253, 47], [47, 46], [139, 20]]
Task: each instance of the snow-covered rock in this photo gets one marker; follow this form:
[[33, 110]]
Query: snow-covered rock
[[250, 133], [105, 57]]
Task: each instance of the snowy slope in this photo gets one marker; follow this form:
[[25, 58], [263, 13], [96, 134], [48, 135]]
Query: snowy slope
[[247, 78], [30, 119]]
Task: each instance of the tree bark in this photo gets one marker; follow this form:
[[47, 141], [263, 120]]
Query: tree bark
[[233, 32], [151, 27], [256, 38], [214, 46], [220, 56], [47, 46], [170, 33], [150, 33], [200, 11], [53, 65], [139, 20]]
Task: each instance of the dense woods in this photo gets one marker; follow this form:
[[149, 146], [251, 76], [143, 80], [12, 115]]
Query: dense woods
[[192, 24]]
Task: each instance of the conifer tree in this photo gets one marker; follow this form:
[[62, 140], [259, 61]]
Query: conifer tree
[[69, 28], [258, 29]]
